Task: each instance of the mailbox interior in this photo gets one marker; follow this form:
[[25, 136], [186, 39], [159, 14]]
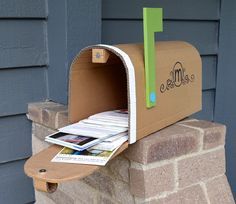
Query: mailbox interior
[[98, 87]]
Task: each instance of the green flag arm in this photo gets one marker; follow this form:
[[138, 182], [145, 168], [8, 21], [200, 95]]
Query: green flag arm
[[152, 22]]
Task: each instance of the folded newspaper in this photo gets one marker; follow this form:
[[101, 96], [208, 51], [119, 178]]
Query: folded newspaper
[[93, 140]]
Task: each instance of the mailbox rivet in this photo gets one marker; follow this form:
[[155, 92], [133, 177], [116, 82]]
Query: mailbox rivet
[[98, 55], [42, 170]]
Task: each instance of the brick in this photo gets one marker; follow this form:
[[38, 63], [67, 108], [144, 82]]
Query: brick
[[60, 197], [153, 181], [201, 167], [50, 115], [168, 143], [57, 197], [119, 166], [61, 119], [142, 200], [214, 133], [35, 110], [78, 201], [41, 131], [100, 182], [41, 197], [219, 191], [106, 182], [122, 193], [38, 145], [78, 190], [191, 195], [104, 200]]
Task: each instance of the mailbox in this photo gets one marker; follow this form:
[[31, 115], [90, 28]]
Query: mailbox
[[104, 77], [119, 82]]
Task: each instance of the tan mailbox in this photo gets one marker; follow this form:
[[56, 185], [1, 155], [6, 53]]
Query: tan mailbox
[[120, 83], [105, 78]]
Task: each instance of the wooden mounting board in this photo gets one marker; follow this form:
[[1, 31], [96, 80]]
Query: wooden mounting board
[[47, 174]]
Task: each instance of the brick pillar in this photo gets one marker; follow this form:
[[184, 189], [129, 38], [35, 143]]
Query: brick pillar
[[181, 164]]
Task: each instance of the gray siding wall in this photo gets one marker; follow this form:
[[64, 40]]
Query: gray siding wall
[[36, 50], [72, 25], [225, 109], [23, 70]]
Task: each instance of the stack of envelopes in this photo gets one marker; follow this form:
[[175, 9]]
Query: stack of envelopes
[[93, 140]]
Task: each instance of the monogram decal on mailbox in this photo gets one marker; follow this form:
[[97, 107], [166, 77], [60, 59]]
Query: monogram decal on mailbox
[[178, 77]]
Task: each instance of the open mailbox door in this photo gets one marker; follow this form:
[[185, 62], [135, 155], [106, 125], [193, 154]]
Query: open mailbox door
[[105, 78]]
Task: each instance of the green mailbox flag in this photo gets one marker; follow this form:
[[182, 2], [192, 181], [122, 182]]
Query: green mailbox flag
[[152, 22]]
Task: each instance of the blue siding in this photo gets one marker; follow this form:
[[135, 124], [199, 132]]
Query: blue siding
[[15, 187], [22, 41], [72, 25], [23, 9], [23, 60], [131, 31], [225, 111], [183, 9], [29, 38], [15, 141], [209, 63], [208, 103], [24, 85]]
